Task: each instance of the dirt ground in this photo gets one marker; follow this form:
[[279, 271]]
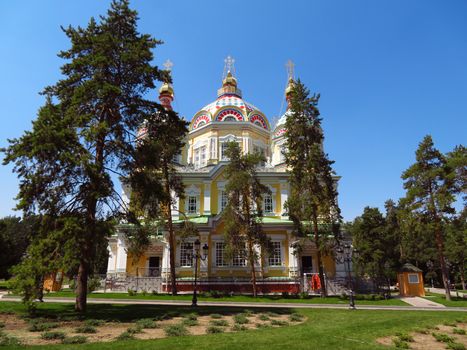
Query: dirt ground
[[109, 331], [427, 341]]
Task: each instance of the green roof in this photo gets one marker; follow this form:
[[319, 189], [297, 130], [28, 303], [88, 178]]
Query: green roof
[[271, 220], [195, 220]]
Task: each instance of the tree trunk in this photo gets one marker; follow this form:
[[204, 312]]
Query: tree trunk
[[461, 270], [170, 227], [318, 256], [82, 287], [253, 270]]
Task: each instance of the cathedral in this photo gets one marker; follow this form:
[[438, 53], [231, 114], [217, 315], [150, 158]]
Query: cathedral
[[201, 165]]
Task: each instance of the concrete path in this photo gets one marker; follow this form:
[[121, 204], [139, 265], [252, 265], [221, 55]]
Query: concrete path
[[421, 302], [442, 291], [239, 304]]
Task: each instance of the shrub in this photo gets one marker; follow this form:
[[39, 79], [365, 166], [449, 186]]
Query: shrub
[[8, 340], [264, 317], [241, 319], [400, 344], [422, 331], [189, 323], [216, 316], [154, 292], [146, 323], [450, 324], [86, 329], [271, 314], [2, 324], [405, 337], [304, 295], [285, 295], [42, 326], [53, 335], [193, 316], [134, 330], [456, 346], [248, 312], [237, 327], [132, 293], [279, 323], [441, 337], [458, 331], [143, 292], [219, 323], [295, 317], [262, 325], [94, 283], [93, 323], [126, 336], [214, 329], [175, 330], [77, 339]]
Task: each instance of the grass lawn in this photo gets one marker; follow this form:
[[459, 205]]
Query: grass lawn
[[441, 299], [235, 298], [324, 329]]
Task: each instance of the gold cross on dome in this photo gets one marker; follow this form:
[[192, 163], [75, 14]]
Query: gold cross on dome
[[229, 65], [290, 69], [168, 65]]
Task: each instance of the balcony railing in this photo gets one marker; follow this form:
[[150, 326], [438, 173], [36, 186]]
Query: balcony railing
[[148, 271]]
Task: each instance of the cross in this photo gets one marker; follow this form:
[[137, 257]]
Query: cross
[[229, 65], [168, 65], [290, 69]]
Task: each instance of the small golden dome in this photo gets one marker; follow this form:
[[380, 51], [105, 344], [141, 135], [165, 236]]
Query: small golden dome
[[229, 80], [166, 88], [289, 87]]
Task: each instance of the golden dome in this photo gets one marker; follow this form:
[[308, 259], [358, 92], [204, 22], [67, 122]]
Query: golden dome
[[289, 87], [166, 88], [229, 80]]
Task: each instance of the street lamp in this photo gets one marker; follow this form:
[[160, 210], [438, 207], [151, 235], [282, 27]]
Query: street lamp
[[345, 257], [197, 256]]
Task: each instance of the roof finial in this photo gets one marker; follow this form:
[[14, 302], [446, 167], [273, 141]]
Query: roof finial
[[290, 70], [229, 66]]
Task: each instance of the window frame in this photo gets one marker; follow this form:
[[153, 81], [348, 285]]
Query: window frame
[[186, 254], [275, 258], [411, 275]]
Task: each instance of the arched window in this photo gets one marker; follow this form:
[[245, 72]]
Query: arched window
[[230, 118]]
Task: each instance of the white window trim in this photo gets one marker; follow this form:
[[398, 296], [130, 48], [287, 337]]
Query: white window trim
[[413, 275], [179, 255], [192, 191], [273, 198], [220, 189], [228, 138]]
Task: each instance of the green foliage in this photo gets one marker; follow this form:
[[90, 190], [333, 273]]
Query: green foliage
[[264, 317], [400, 344], [279, 323], [238, 327], [216, 316], [93, 323], [132, 293], [459, 331], [40, 326], [456, 346], [146, 323], [405, 337], [214, 329], [86, 329], [193, 316], [313, 192], [77, 339], [219, 323], [176, 330], [126, 336], [189, 322], [243, 213], [441, 337], [136, 329], [53, 335], [241, 319], [262, 325], [8, 340], [295, 317]]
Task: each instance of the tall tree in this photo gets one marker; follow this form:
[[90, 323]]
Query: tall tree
[[456, 245], [154, 179], [86, 131], [313, 196], [430, 193], [244, 211]]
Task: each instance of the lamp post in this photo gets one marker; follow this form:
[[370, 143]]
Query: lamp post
[[197, 256], [345, 257]]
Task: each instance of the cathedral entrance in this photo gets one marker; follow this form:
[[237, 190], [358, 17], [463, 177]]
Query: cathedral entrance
[[307, 264]]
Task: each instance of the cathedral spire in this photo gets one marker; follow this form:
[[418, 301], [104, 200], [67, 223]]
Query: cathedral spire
[[229, 82], [166, 92], [290, 81]]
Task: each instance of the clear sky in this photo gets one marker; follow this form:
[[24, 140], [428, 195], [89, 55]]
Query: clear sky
[[389, 72]]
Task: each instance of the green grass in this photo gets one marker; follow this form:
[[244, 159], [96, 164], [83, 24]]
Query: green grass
[[235, 298], [323, 328], [441, 299]]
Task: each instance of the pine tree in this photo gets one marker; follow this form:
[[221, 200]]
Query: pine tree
[[86, 131], [243, 213], [430, 193], [456, 245], [313, 196]]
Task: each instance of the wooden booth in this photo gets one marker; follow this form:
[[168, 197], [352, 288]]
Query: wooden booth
[[410, 280], [53, 281]]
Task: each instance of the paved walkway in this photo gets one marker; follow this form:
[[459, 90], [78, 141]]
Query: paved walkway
[[249, 305], [421, 302], [442, 291]]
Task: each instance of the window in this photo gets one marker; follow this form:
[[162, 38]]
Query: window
[[275, 258], [239, 259], [268, 205], [186, 252], [200, 156], [224, 146], [413, 278], [192, 205], [282, 150], [230, 118], [224, 200], [220, 249], [196, 160]]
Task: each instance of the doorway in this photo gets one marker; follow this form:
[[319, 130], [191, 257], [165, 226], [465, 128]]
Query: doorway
[[307, 264], [154, 266]]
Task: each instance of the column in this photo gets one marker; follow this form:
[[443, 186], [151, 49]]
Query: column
[[293, 261], [207, 198], [284, 195], [121, 254], [112, 258], [203, 264], [175, 206]]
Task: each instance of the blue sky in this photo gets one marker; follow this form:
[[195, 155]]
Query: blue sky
[[389, 72]]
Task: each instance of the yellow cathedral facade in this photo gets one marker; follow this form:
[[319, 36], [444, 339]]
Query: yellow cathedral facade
[[201, 166]]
